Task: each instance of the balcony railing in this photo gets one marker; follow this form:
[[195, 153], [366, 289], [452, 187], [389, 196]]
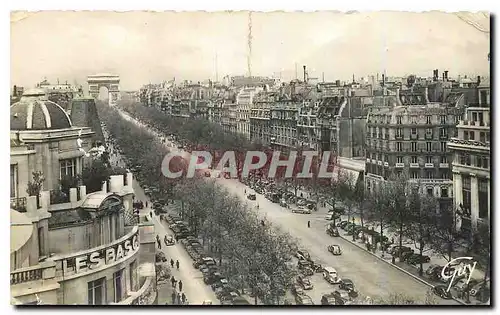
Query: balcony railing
[[400, 165], [33, 273], [414, 165], [443, 165], [18, 204], [429, 165]]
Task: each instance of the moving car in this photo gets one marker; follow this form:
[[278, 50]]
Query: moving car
[[305, 282], [335, 250], [343, 224], [303, 300], [333, 232], [331, 276], [442, 292], [346, 284], [400, 249], [301, 210], [251, 197], [169, 240]]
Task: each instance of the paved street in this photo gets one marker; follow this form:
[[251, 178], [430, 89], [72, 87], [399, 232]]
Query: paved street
[[372, 277]]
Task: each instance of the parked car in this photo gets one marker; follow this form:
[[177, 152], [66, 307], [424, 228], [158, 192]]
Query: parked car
[[208, 261], [334, 232], [219, 284], [343, 224], [303, 300], [212, 278], [240, 301], [346, 284], [297, 289], [331, 276], [328, 299], [283, 203], [400, 249], [442, 292], [415, 259], [305, 282], [251, 197], [342, 298], [303, 254], [405, 255], [335, 250], [301, 210]]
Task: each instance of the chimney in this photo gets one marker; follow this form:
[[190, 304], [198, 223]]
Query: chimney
[[305, 74], [116, 183], [383, 79], [426, 92], [478, 79], [15, 91], [446, 75], [337, 82], [104, 188]]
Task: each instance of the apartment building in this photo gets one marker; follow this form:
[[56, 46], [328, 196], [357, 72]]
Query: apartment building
[[407, 133], [471, 160]]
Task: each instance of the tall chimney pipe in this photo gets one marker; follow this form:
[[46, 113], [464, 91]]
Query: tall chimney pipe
[[446, 75], [383, 79], [305, 73]]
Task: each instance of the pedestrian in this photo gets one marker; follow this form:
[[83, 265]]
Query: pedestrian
[[177, 264], [179, 300], [146, 204], [183, 296], [159, 243], [308, 224], [172, 279], [174, 295], [180, 285], [177, 240]]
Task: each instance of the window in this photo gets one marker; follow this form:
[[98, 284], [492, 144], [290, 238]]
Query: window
[[67, 167], [442, 119], [466, 181], [474, 116], [429, 119], [472, 135], [443, 132], [428, 146], [413, 131], [430, 191], [482, 137], [444, 159], [399, 120], [133, 275], [483, 198], [444, 192], [428, 159], [117, 283], [41, 242], [399, 159], [399, 146], [413, 119], [466, 135], [13, 181], [414, 159], [429, 174], [414, 147], [443, 146], [97, 292], [414, 175], [428, 131], [399, 132]]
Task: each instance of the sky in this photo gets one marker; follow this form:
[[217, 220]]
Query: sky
[[149, 47]]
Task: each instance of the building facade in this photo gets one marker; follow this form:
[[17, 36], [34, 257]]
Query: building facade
[[408, 134], [471, 162], [244, 102]]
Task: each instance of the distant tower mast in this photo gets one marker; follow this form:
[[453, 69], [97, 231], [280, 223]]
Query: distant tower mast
[[249, 57], [216, 69]]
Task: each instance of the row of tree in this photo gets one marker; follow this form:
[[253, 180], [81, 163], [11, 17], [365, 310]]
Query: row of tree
[[252, 253]]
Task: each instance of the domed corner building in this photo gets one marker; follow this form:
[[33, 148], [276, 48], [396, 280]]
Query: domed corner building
[[78, 249], [44, 139]]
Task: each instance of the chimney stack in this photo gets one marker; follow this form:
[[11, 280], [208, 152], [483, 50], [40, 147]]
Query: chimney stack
[[305, 73], [478, 79], [446, 75], [15, 90], [383, 79]]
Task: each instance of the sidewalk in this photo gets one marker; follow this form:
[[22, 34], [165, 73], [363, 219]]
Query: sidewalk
[[412, 270]]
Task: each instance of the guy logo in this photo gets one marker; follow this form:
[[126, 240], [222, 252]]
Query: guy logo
[[459, 270]]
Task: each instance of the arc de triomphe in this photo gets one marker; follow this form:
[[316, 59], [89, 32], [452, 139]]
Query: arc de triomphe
[[110, 81]]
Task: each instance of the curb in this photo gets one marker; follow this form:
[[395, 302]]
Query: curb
[[398, 268]]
